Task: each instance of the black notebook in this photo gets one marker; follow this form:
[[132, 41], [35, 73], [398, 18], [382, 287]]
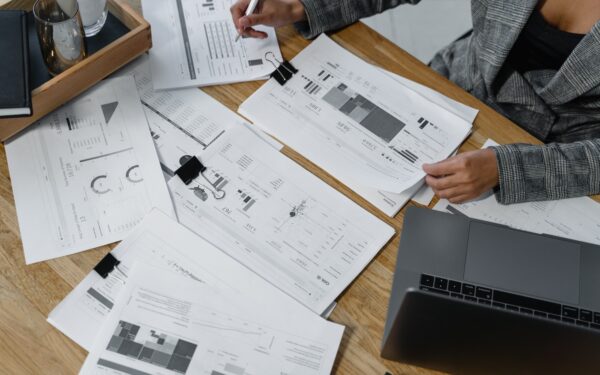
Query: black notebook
[[15, 95]]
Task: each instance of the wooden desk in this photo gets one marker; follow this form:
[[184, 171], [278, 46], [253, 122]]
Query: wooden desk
[[29, 345]]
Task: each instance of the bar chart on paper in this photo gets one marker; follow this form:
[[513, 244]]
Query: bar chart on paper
[[277, 220], [208, 4], [194, 44], [146, 344]]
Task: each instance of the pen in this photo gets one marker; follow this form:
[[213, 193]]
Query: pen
[[249, 11]]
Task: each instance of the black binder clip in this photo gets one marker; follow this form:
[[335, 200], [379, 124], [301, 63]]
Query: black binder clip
[[107, 265], [284, 72], [190, 169]]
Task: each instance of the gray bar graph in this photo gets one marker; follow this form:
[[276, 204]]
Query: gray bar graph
[[103, 300], [121, 368], [186, 40], [236, 370]]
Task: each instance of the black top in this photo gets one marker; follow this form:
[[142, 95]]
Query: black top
[[541, 46]]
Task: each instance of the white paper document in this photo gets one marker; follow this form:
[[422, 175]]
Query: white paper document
[[175, 325], [575, 218], [350, 118], [424, 195], [279, 220], [463, 111], [194, 45], [391, 203], [86, 174], [163, 243], [183, 122]]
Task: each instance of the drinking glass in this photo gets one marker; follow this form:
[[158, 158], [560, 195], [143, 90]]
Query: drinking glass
[[60, 33], [93, 15]]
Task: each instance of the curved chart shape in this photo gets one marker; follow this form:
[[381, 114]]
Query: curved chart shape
[[98, 185], [133, 174]]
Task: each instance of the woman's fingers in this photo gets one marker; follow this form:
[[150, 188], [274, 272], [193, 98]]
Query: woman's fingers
[[252, 33], [441, 183], [237, 12]]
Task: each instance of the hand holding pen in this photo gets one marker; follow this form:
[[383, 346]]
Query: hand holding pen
[[249, 13]]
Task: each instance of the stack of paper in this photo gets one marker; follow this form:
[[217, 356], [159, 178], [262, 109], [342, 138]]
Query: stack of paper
[[272, 242], [194, 44], [312, 255], [190, 309], [369, 131], [425, 194]]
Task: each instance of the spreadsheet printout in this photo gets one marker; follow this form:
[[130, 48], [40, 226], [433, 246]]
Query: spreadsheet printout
[[165, 244], [194, 45], [86, 175], [279, 220], [182, 122], [354, 121], [173, 324]]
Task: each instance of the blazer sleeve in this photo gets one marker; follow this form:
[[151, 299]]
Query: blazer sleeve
[[325, 15], [548, 172]]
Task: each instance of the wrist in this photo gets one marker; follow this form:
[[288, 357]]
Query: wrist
[[298, 11], [492, 165]]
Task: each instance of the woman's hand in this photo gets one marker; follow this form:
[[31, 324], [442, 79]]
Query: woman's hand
[[274, 13], [463, 177]]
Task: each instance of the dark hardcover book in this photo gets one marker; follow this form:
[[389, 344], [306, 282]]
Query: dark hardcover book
[[15, 94]]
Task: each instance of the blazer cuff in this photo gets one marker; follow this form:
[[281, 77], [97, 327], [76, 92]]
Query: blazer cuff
[[513, 182], [321, 16]]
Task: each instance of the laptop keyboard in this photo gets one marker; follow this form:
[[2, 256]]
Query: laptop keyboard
[[510, 301]]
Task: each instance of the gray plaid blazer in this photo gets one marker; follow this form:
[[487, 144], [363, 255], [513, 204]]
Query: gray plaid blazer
[[561, 108]]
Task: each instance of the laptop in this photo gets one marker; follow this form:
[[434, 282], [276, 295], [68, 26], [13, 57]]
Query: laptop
[[472, 297]]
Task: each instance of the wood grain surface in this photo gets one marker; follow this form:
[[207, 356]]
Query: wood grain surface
[[29, 345]]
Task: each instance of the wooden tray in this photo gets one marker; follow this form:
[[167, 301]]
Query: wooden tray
[[125, 36]]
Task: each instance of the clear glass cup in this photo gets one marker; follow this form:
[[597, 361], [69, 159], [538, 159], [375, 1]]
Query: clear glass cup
[[93, 15], [60, 33]]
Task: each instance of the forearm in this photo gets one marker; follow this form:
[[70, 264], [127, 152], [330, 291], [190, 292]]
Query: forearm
[[325, 15], [548, 172]]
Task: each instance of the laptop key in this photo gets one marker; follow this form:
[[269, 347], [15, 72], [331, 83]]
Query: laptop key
[[595, 326], [597, 318], [441, 283], [484, 301], [428, 289], [454, 286], [540, 314], [568, 320], [570, 312], [581, 323], [526, 311], [484, 293], [468, 289], [512, 308], [554, 317], [585, 315], [469, 298], [456, 295], [426, 280], [498, 304]]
